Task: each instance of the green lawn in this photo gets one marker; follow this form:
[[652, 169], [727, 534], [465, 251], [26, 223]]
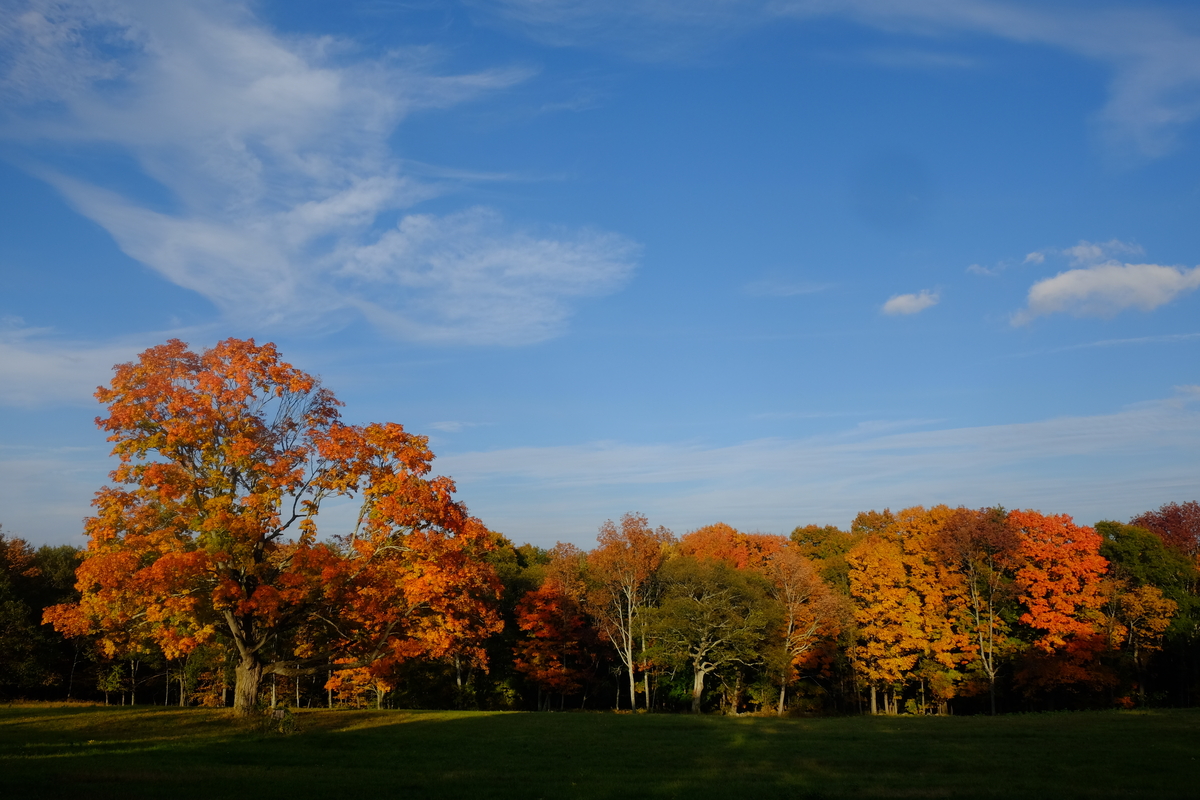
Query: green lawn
[[88, 752]]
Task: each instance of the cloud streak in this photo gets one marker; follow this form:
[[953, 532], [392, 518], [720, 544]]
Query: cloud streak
[[1152, 54], [38, 370], [1105, 466], [281, 181]]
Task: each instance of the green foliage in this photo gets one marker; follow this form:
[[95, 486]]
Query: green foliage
[[827, 546], [712, 617], [1142, 558], [31, 656]]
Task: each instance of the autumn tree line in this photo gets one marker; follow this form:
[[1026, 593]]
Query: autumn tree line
[[921, 611], [209, 580]]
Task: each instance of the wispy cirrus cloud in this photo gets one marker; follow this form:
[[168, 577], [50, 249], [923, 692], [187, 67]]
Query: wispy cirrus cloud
[[276, 159], [1168, 338], [37, 368], [1104, 466], [1152, 53], [46, 491], [468, 275], [1087, 253], [908, 304]]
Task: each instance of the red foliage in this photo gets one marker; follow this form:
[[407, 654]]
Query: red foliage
[[1177, 525]]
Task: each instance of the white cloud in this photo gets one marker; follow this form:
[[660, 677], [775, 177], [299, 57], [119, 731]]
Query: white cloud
[[36, 369], [905, 304], [1088, 253], [1107, 289], [1105, 466], [276, 159], [1035, 257], [467, 277], [1153, 53]]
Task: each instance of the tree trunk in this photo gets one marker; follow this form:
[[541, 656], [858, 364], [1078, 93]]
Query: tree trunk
[[782, 696], [632, 685], [245, 691], [697, 690], [874, 706], [71, 680]]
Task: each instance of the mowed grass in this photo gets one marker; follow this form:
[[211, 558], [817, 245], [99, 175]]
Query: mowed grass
[[129, 753]]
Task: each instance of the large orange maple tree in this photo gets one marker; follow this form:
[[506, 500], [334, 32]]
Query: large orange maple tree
[[210, 529]]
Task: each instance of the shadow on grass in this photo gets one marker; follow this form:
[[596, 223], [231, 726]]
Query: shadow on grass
[[181, 754]]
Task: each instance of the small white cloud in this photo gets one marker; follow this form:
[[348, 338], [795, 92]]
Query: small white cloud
[[979, 269], [1036, 257], [911, 303], [1107, 289], [1088, 253]]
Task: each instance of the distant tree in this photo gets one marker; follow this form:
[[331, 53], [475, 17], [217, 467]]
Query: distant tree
[[1058, 580], [888, 613], [1149, 596], [811, 611], [827, 546], [712, 616], [623, 575], [723, 542], [983, 547], [1142, 558], [1177, 524], [1058, 585], [21, 668], [558, 654], [940, 587]]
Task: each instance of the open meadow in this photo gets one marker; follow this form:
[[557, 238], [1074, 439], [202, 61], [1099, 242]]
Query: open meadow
[[129, 753]]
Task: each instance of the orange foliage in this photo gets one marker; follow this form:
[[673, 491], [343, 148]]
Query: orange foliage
[[1058, 581], [721, 542], [225, 458]]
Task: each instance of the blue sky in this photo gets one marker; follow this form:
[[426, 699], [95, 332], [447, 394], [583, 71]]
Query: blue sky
[[770, 263]]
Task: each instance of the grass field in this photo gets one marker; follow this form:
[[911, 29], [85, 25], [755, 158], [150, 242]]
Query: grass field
[[90, 752]]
